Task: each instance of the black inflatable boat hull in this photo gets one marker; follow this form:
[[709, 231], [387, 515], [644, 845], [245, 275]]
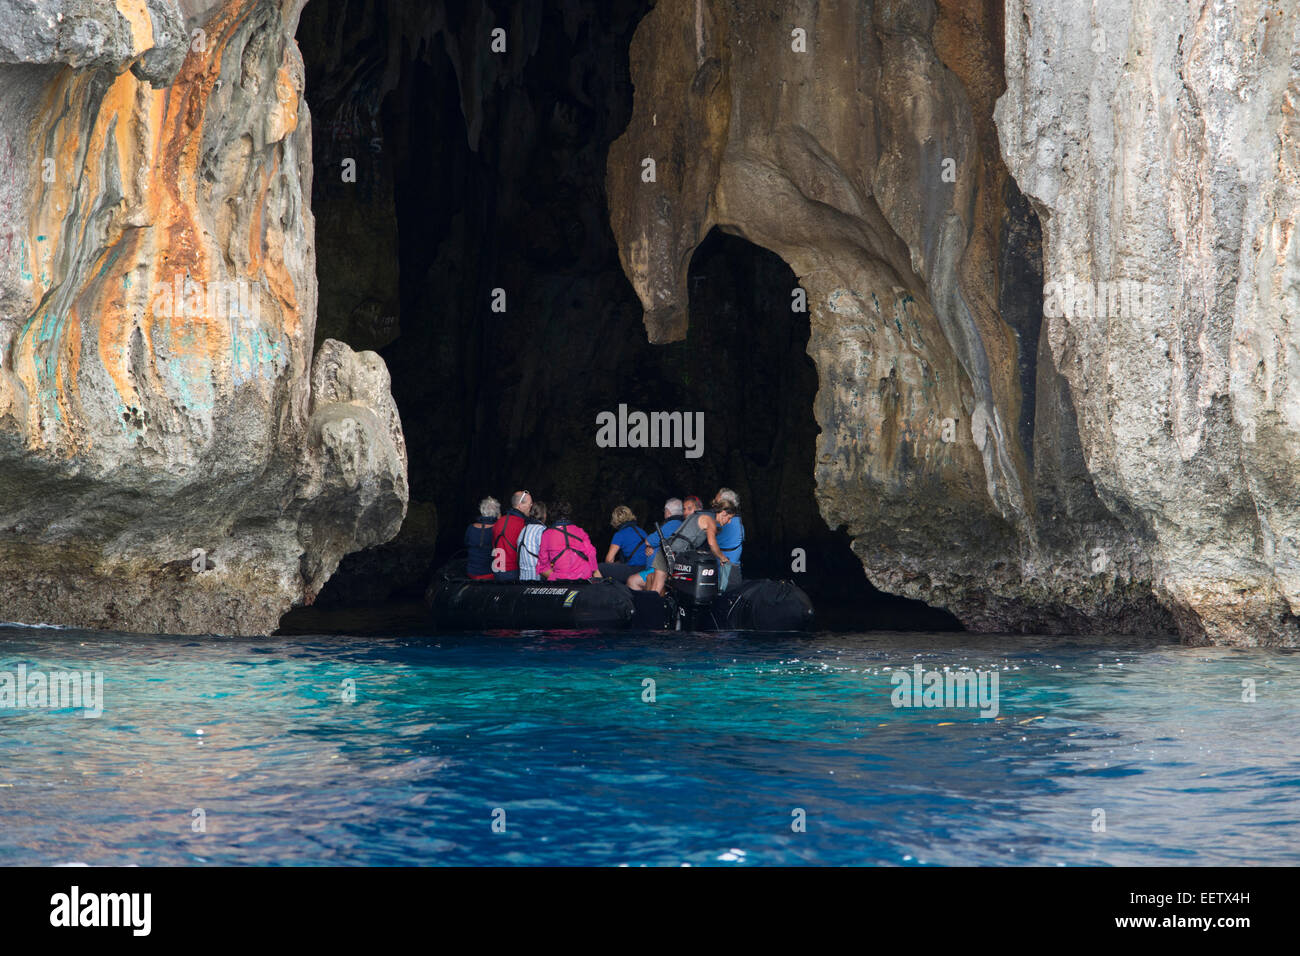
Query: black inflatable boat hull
[[763, 605], [460, 604], [529, 605]]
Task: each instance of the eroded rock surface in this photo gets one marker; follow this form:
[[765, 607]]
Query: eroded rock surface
[[1160, 143], [870, 163], [1117, 468], [172, 456]]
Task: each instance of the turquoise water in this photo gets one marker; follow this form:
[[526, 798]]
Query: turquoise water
[[550, 734]]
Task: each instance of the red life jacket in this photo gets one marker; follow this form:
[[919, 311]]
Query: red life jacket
[[505, 535]]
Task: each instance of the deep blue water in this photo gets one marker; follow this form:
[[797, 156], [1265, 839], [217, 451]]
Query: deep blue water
[[553, 730]]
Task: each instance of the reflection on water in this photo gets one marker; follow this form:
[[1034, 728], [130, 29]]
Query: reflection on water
[[555, 731]]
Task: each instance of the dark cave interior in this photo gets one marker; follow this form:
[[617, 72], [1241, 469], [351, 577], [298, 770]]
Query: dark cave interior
[[478, 172]]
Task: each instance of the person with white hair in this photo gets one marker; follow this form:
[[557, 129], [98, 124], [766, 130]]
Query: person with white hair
[[673, 517], [699, 530], [478, 540], [727, 495]]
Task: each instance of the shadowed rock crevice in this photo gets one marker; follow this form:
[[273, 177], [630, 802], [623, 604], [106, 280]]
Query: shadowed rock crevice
[[1020, 300]]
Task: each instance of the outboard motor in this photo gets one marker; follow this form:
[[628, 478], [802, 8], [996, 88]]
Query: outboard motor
[[694, 578]]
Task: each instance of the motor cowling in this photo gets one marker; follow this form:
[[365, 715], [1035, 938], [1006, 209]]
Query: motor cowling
[[694, 577]]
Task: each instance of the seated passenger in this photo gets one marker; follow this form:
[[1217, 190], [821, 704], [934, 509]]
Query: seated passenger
[[566, 553], [731, 537], [530, 542], [626, 555], [478, 540], [505, 537], [698, 530], [672, 521]]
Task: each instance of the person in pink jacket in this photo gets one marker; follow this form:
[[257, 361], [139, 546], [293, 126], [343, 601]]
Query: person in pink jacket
[[566, 553]]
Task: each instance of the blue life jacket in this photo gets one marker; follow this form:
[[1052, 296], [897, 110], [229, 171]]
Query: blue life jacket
[[478, 542], [669, 526], [631, 544], [730, 539]]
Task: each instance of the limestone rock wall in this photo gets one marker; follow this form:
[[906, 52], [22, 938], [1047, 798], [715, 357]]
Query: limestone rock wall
[[173, 457], [1160, 143], [177, 455], [870, 162]]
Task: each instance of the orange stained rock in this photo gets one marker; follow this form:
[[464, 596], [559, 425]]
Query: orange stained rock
[[284, 119], [137, 15], [154, 139]]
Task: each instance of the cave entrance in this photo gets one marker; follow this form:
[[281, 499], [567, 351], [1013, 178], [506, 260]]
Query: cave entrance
[[462, 232], [746, 363]]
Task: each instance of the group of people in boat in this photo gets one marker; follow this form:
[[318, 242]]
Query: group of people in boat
[[521, 545]]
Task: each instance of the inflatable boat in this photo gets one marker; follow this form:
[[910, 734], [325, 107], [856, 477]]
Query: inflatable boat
[[759, 605], [692, 603], [525, 605]]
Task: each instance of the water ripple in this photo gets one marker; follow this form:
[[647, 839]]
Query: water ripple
[[545, 749]]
